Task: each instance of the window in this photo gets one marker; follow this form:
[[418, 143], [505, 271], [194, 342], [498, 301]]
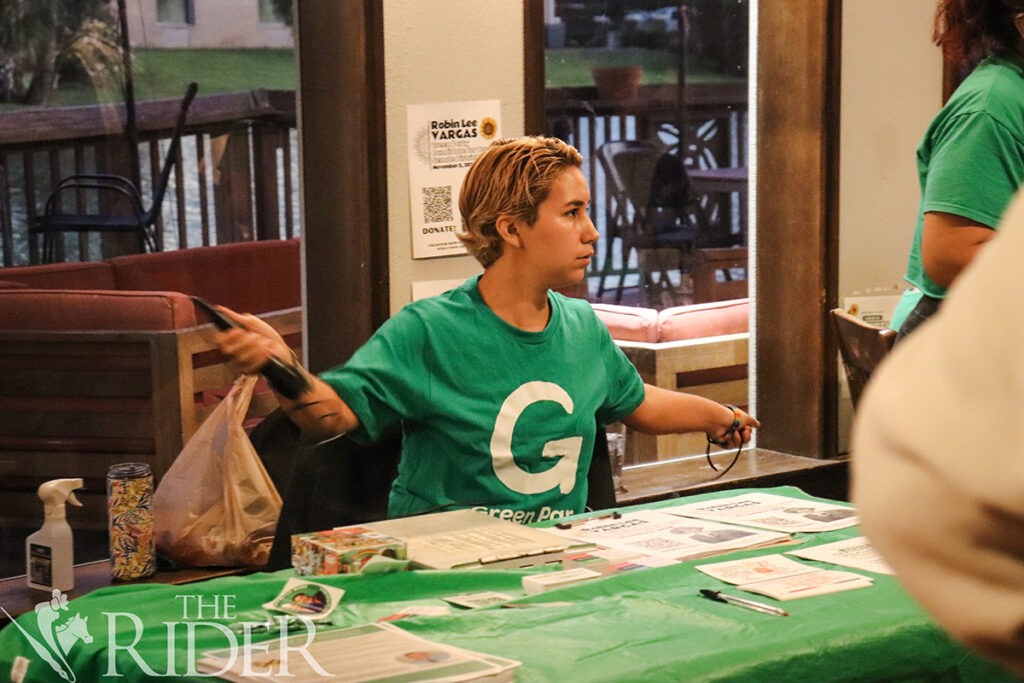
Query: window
[[176, 11], [655, 98], [792, 368], [271, 12]]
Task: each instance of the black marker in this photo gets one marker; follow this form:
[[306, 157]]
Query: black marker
[[743, 602], [568, 525]]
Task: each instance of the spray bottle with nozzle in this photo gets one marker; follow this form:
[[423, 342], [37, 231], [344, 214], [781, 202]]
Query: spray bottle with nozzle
[[49, 554]]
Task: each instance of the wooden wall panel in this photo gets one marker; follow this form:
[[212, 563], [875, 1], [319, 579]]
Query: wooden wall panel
[[341, 83], [797, 124]]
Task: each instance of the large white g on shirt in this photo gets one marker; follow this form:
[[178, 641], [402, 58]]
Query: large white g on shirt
[[563, 474]]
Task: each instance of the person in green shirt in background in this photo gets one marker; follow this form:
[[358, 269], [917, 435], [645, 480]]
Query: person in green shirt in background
[[971, 160], [496, 383]]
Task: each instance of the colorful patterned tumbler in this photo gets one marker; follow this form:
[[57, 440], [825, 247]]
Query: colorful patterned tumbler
[[129, 497]]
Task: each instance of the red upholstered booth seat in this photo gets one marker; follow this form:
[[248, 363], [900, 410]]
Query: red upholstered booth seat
[[629, 323], [704, 320], [255, 277], [700, 349], [59, 276], [110, 362], [87, 310]]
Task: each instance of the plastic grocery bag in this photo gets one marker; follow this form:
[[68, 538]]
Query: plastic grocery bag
[[216, 505]]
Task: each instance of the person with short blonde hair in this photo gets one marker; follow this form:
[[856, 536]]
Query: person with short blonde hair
[[512, 176], [500, 384]]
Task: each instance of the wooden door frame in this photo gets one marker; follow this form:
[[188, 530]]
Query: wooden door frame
[[342, 132], [797, 225]]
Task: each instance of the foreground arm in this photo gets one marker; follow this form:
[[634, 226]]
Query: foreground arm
[[946, 512], [669, 412], [319, 413], [948, 243]]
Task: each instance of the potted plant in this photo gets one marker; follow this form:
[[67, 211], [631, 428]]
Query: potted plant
[[617, 82]]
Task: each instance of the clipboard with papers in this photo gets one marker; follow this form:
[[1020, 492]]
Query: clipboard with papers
[[467, 539]]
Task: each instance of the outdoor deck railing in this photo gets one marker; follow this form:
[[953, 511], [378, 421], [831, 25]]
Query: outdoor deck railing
[[714, 122], [235, 179], [237, 175]]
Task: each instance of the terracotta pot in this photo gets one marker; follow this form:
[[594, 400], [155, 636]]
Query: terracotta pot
[[617, 82]]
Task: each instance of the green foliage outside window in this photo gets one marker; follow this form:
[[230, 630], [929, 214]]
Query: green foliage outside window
[[42, 38]]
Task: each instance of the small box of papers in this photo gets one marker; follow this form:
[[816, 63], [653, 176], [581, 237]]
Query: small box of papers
[[342, 551], [538, 583]]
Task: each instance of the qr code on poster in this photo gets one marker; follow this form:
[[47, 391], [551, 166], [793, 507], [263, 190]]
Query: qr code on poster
[[437, 204]]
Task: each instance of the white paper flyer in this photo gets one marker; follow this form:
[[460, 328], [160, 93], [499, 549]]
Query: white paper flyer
[[444, 140]]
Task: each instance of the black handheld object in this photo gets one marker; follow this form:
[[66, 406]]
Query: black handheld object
[[285, 379]]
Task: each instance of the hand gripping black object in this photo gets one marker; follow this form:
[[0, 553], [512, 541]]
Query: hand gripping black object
[[283, 378]]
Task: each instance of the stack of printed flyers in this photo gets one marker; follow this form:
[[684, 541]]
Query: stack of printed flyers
[[367, 653], [658, 534], [781, 578], [771, 511], [778, 576]]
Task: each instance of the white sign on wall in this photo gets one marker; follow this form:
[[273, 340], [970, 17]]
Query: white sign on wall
[[444, 140]]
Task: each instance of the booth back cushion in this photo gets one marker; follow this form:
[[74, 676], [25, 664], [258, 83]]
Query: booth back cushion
[[253, 277], [637, 324], [629, 323], [41, 309], [60, 276], [704, 320]]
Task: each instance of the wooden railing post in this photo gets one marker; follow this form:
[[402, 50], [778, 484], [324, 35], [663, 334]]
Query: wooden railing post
[[112, 157], [232, 196], [267, 138]]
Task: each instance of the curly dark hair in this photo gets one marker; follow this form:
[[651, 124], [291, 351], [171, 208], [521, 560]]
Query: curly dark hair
[[970, 30]]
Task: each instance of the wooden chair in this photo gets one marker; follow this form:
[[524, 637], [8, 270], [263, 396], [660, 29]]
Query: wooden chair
[[862, 347], [651, 192]]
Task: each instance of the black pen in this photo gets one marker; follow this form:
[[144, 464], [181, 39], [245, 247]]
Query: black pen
[[743, 602], [568, 525]]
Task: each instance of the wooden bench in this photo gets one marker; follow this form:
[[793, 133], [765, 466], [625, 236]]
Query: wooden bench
[[72, 403], [110, 362]]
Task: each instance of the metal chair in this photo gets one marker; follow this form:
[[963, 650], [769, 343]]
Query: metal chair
[[862, 347], [52, 223], [650, 190]]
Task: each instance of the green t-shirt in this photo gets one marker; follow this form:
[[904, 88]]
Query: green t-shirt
[[493, 417], [971, 160]]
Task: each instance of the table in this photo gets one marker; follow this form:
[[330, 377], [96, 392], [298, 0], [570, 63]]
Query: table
[[728, 179], [17, 598], [648, 625]]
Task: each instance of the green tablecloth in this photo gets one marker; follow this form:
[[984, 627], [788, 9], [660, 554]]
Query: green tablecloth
[[648, 625]]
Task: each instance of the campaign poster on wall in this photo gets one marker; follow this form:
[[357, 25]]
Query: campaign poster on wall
[[444, 139]]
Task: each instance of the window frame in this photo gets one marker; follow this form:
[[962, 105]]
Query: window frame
[[190, 14], [794, 371]]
